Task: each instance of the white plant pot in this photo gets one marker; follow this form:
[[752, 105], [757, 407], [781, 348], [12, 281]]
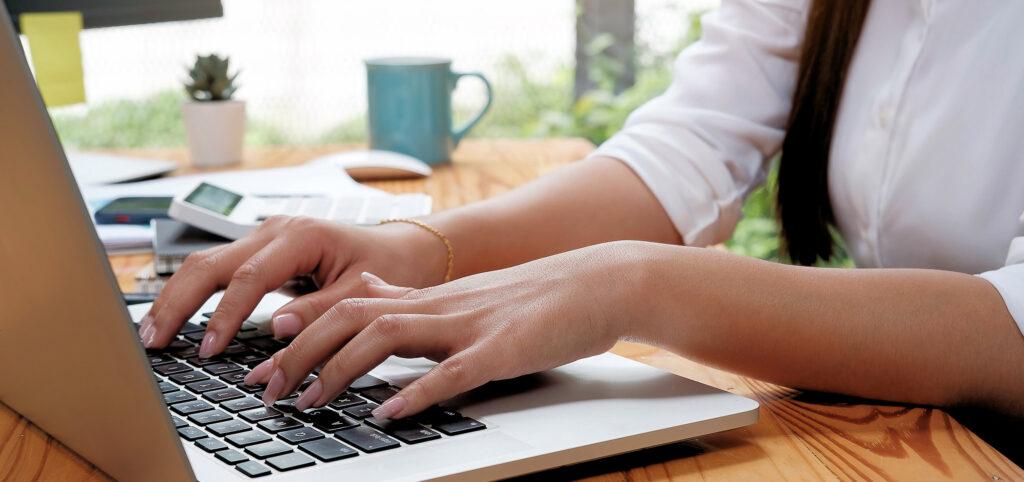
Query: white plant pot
[[215, 130]]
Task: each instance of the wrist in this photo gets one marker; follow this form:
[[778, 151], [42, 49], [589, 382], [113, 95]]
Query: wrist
[[625, 286], [421, 253]]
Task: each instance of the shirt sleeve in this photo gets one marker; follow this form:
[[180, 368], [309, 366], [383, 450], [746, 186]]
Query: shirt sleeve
[[1009, 280], [704, 144]]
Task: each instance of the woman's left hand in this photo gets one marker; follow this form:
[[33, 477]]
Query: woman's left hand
[[490, 326]]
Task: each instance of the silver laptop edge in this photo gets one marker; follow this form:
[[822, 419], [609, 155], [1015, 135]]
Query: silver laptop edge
[[71, 363], [82, 377]]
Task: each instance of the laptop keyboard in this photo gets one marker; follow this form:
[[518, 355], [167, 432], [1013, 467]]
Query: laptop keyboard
[[214, 409]]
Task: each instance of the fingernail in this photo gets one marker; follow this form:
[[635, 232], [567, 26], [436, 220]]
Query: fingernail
[[147, 336], [287, 325], [390, 408], [144, 324], [259, 373], [206, 347], [373, 279], [274, 387], [310, 396]]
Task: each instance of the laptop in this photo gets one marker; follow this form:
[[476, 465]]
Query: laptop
[[71, 362]]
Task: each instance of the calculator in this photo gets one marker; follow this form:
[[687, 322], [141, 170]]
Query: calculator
[[233, 214]]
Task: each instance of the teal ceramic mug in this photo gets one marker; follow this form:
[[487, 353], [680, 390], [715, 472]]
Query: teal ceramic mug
[[409, 106]]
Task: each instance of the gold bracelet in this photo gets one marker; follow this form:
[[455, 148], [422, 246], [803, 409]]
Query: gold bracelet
[[435, 232]]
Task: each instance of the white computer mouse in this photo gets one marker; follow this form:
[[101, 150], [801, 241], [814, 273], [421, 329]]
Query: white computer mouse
[[366, 165]]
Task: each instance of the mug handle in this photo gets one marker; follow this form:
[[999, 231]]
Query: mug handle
[[459, 133]]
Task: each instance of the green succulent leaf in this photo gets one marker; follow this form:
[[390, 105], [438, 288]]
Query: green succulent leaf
[[209, 80]]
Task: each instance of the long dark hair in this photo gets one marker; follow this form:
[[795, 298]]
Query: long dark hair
[[803, 204]]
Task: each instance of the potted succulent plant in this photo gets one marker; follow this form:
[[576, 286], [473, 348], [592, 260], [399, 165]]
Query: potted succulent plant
[[214, 122]]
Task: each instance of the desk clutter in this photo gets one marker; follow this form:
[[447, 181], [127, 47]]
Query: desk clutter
[[126, 223]]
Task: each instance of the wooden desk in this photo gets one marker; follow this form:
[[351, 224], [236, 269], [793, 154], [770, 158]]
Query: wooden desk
[[797, 437]]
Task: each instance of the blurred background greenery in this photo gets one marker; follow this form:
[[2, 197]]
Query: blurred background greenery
[[524, 107]]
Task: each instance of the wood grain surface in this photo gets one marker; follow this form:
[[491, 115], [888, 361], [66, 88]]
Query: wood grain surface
[[800, 436]]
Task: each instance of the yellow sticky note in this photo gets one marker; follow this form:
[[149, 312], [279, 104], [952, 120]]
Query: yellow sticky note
[[56, 55]]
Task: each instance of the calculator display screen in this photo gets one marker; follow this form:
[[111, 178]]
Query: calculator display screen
[[213, 198]]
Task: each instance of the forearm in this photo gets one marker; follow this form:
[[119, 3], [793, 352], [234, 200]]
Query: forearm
[[920, 336], [585, 203]]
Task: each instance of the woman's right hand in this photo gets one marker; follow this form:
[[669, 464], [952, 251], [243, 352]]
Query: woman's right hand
[[281, 249]]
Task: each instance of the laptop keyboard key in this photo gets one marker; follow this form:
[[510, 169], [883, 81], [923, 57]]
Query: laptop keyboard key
[[205, 386], [366, 382], [379, 395], [404, 430], [436, 415], [287, 405], [249, 335], [188, 408], [219, 369], [367, 439], [280, 424], [228, 427], [178, 397], [234, 378], [208, 417], [245, 439], [360, 411], [328, 450], [460, 426], [166, 387], [157, 360], [195, 361], [177, 346], [267, 449], [189, 377], [268, 345], [253, 469], [235, 406], [251, 388], [299, 435], [331, 421], [260, 414], [178, 423], [346, 400], [195, 336], [235, 349], [211, 444], [189, 328], [290, 461], [172, 368], [191, 433], [250, 360], [223, 395], [231, 456]]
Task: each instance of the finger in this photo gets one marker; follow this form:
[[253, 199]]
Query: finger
[[279, 261], [379, 288], [323, 338], [408, 335], [299, 313], [202, 274], [461, 373]]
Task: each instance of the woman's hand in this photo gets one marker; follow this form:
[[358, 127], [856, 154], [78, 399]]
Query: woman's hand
[[281, 249], [490, 326]]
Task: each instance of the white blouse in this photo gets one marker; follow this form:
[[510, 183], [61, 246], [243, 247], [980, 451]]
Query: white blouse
[[927, 162]]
